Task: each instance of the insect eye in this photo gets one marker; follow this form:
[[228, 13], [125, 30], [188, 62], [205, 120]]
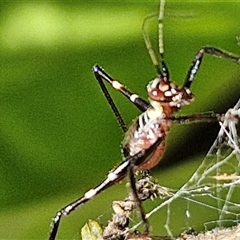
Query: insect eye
[[156, 94]]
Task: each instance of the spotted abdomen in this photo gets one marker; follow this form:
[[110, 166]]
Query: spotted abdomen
[[142, 135]]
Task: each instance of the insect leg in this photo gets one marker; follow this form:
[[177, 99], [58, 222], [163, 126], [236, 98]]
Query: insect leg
[[140, 103], [136, 198], [198, 59], [199, 117], [205, 117], [113, 177], [101, 75]]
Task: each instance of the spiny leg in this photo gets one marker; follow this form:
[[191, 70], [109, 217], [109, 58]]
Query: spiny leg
[[198, 59], [136, 198], [198, 117], [113, 177], [140, 103]]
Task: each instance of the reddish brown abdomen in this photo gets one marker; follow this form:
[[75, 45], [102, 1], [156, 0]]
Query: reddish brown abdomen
[[143, 135]]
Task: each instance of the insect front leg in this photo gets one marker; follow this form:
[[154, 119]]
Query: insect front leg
[[197, 117], [198, 59]]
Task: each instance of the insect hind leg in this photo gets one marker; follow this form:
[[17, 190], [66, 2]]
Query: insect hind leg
[[137, 199], [113, 177]]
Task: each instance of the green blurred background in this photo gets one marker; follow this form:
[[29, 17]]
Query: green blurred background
[[58, 135]]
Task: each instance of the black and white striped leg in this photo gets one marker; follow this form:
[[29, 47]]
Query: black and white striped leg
[[100, 74], [113, 177], [198, 59]]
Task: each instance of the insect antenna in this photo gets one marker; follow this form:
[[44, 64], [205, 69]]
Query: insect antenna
[[161, 70], [149, 44], [160, 39]]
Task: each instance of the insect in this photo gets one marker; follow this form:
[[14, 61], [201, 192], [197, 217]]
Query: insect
[[144, 141]]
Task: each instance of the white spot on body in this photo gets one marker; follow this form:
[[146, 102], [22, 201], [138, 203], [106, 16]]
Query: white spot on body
[[136, 134], [151, 134], [163, 88], [168, 93], [140, 122], [173, 90], [156, 111], [145, 116], [174, 104]]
